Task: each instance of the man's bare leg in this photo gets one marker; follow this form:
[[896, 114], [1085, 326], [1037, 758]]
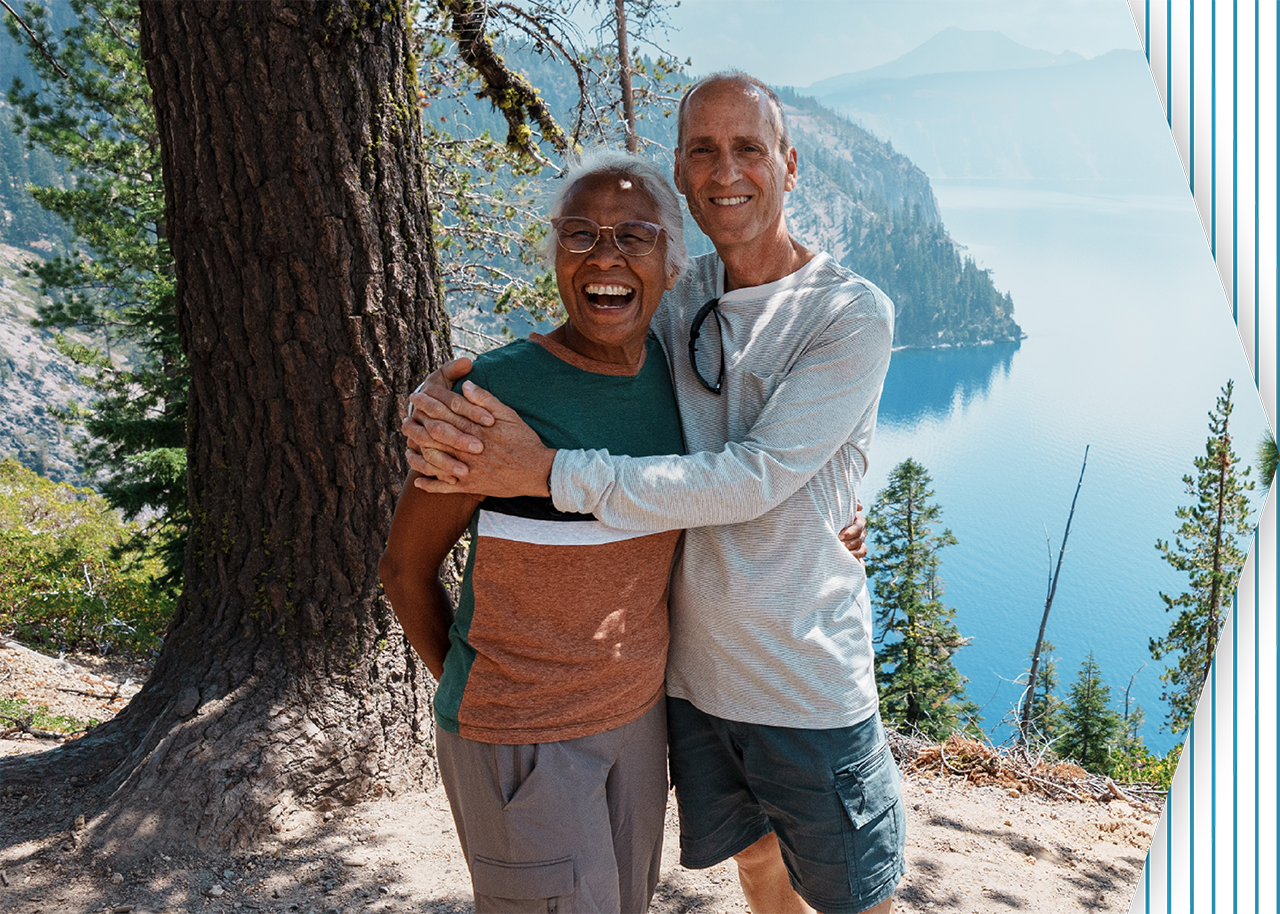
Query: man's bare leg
[[764, 879], [767, 887]]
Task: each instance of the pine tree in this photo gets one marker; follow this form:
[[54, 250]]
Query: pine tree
[[1207, 547], [93, 110], [1090, 724], [1268, 458], [920, 687], [1046, 706]]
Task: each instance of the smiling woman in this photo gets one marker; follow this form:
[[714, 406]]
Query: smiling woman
[[547, 659], [610, 295]]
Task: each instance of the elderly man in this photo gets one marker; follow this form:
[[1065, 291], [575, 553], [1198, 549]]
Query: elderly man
[[778, 356]]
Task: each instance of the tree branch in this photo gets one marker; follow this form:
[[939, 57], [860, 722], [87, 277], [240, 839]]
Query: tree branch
[[509, 92], [111, 26], [35, 41]]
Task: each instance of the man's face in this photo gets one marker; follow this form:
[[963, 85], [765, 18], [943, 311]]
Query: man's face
[[730, 170]]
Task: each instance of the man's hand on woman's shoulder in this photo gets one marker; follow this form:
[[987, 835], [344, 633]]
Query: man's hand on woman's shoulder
[[471, 442]]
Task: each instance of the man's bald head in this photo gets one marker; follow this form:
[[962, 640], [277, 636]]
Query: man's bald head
[[750, 84]]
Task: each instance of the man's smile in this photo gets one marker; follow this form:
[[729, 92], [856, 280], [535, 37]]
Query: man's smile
[[729, 201]]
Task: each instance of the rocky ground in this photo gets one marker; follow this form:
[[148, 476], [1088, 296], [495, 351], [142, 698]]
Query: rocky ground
[[996, 848]]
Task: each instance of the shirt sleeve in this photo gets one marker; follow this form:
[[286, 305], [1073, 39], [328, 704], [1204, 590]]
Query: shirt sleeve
[[479, 375], [826, 399]]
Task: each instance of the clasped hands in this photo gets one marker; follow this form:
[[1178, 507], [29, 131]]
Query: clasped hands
[[471, 442]]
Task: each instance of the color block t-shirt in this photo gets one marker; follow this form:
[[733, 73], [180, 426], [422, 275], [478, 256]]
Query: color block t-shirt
[[561, 628]]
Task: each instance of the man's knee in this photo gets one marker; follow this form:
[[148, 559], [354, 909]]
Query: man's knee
[[760, 867], [764, 852]]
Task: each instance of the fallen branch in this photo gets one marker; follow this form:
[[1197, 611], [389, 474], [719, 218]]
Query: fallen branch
[[100, 696], [1116, 793], [1058, 787], [981, 764]]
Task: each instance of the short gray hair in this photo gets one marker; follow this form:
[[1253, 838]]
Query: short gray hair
[[743, 79], [652, 179]]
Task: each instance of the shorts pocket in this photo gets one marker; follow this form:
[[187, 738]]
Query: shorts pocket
[[875, 830], [517, 771], [547, 879]]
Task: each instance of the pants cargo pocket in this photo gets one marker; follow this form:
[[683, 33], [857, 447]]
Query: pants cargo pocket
[[875, 830], [521, 888]]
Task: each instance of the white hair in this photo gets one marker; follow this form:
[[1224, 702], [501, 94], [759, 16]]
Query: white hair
[[652, 179]]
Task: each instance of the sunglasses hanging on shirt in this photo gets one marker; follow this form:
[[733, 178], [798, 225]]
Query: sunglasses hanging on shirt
[[711, 307]]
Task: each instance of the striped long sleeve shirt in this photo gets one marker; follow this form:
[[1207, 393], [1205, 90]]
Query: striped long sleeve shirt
[[770, 615]]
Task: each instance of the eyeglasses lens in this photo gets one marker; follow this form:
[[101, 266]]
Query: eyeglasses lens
[[578, 235]]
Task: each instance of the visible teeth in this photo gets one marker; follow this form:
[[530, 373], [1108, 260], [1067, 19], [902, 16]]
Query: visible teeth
[[729, 201], [597, 289]]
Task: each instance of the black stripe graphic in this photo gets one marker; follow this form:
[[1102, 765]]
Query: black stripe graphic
[[531, 507]]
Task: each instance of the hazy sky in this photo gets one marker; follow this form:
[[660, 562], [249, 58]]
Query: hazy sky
[[798, 42]]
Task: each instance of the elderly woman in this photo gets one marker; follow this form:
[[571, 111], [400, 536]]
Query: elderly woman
[[551, 728]]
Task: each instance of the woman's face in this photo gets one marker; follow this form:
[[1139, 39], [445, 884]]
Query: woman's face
[[610, 296]]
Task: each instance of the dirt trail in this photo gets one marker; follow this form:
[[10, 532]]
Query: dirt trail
[[969, 849]]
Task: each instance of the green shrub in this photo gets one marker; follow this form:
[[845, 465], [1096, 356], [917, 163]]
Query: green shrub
[[61, 586], [1139, 765]]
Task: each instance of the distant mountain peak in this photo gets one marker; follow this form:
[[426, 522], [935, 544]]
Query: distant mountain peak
[[953, 50]]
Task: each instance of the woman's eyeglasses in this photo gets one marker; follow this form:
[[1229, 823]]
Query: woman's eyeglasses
[[577, 235]]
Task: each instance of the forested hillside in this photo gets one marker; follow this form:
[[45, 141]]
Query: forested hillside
[[23, 222], [873, 209], [858, 199]]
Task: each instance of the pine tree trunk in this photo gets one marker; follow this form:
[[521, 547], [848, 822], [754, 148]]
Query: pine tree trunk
[[1024, 724], [306, 300], [624, 77]]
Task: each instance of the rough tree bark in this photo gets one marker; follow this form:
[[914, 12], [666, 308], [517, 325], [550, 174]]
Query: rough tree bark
[[307, 304]]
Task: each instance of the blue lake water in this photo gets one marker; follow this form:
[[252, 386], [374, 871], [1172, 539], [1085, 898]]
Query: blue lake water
[[1129, 340]]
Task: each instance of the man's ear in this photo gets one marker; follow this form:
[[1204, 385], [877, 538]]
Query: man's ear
[[675, 173], [793, 169]]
